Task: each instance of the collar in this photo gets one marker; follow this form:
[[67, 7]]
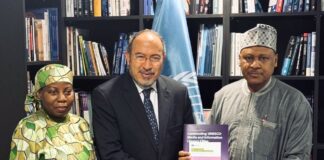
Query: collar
[[49, 118], [140, 89], [262, 91]]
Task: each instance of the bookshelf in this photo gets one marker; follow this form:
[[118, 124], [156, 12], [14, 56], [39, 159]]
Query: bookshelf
[[13, 70], [319, 110], [106, 29]]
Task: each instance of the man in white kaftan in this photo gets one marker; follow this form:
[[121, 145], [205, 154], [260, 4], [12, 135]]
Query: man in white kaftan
[[268, 119]]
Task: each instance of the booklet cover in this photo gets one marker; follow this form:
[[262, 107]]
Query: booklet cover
[[206, 142]]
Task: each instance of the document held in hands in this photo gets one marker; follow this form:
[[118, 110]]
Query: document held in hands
[[206, 142]]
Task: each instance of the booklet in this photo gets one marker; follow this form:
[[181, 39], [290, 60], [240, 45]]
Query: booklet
[[206, 142]]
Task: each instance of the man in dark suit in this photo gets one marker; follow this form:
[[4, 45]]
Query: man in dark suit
[[123, 127]]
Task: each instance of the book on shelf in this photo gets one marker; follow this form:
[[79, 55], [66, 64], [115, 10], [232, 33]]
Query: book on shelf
[[232, 55], [235, 69], [187, 7], [301, 6], [308, 55], [39, 42], [287, 6], [245, 6], [252, 6], [209, 49], [294, 55], [235, 6], [306, 5], [241, 6], [75, 109], [304, 59], [313, 4], [98, 8], [199, 49], [313, 49], [299, 56], [92, 57], [105, 6], [123, 65], [206, 141], [69, 48], [85, 67], [125, 7], [69, 11], [78, 53], [272, 6], [83, 107], [118, 53], [203, 7], [217, 43], [295, 5], [279, 6], [105, 58], [258, 7], [53, 33], [288, 56], [98, 58]]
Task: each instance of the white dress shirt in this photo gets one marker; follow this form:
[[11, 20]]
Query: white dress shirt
[[153, 98]]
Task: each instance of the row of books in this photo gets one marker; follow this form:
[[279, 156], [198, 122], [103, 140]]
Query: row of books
[[197, 7], [246, 6], [291, 5], [97, 8], [235, 69], [86, 58], [204, 6], [149, 6], [279, 6], [82, 106], [300, 55], [209, 50], [91, 58], [41, 29], [210, 6], [120, 48]]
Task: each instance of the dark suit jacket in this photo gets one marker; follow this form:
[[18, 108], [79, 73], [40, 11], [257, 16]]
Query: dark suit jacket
[[121, 128]]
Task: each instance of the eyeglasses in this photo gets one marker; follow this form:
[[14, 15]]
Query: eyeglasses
[[142, 58], [262, 58]]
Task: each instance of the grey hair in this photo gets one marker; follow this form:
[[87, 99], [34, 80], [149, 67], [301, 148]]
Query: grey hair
[[130, 45]]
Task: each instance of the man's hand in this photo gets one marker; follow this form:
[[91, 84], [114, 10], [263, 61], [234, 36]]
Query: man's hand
[[183, 155]]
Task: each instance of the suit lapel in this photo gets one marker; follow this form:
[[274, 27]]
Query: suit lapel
[[133, 99], [165, 108]]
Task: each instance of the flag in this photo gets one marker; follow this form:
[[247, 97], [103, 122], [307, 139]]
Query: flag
[[170, 22]]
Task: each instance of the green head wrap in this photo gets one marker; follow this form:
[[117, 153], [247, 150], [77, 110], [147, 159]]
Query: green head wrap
[[45, 76]]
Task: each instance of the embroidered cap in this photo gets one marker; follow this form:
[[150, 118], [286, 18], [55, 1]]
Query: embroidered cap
[[261, 35]]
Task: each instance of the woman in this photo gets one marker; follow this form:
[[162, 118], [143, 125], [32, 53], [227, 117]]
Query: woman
[[51, 132]]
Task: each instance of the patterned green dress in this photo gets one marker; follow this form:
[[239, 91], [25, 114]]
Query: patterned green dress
[[39, 137]]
